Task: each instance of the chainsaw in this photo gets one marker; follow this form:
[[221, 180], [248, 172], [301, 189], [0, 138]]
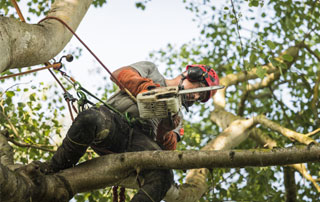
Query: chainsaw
[[164, 102]]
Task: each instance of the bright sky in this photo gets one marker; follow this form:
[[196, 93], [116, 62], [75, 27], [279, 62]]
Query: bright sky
[[121, 34]]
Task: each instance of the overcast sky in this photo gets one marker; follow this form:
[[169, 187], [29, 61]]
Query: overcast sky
[[121, 34]]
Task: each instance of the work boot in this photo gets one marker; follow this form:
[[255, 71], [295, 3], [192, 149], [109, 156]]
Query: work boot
[[67, 155]]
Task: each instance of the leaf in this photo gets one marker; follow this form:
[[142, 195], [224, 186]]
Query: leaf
[[270, 44], [10, 94], [261, 72], [287, 57], [32, 97]]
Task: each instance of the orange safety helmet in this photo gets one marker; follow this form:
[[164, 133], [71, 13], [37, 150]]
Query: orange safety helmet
[[205, 74]]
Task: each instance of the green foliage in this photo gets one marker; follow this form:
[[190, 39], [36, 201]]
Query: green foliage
[[267, 29], [28, 123], [142, 4]]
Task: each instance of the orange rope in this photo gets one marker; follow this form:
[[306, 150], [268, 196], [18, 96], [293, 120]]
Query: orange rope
[[18, 10], [56, 65], [92, 53], [48, 65]]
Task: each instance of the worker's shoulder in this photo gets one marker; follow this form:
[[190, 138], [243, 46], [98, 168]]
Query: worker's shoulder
[[144, 64]]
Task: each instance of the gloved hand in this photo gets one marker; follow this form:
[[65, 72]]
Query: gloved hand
[[165, 135], [169, 123], [168, 140]]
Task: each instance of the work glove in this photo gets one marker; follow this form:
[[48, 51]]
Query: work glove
[[168, 124], [168, 140], [165, 135]]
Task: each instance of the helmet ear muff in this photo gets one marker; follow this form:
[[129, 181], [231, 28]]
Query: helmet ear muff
[[195, 74], [205, 74]]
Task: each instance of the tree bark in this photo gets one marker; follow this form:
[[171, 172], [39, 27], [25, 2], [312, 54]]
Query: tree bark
[[28, 182], [23, 44], [6, 152], [290, 184], [196, 179]]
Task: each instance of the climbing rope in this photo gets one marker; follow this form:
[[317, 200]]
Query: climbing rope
[[18, 10], [47, 63], [83, 99], [79, 89], [54, 66], [92, 53]]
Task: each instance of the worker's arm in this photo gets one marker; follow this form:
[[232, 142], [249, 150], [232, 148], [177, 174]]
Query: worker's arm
[[131, 80]]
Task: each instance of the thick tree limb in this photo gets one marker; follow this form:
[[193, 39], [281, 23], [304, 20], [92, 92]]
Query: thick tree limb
[[110, 169], [23, 44]]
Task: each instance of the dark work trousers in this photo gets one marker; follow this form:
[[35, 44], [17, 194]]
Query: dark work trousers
[[105, 131]]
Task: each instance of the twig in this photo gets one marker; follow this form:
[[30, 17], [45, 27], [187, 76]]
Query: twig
[[17, 84], [40, 147], [311, 51], [238, 32], [313, 132], [315, 99], [8, 120], [242, 103], [282, 105]]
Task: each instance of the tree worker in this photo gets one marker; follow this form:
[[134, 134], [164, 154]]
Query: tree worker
[[107, 132]]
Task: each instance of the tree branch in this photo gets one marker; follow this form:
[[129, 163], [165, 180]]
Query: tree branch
[[110, 169], [234, 134], [264, 140], [40, 147], [313, 132], [233, 79], [311, 51], [292, 135], [6, 152], [23, 44], [266, 82], [315, 99], [303, 171], [290, 184]]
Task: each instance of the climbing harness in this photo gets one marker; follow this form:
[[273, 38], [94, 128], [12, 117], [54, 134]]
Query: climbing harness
[[54, 66]]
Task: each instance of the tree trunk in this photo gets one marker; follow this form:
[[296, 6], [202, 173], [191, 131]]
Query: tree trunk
[[290, 184], [23, 44]]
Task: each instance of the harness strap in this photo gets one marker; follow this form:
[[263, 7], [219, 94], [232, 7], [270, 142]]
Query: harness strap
[[144, 191], [76, 143]]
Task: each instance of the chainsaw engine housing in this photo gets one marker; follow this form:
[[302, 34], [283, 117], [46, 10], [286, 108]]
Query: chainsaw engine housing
[[159, 102]]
